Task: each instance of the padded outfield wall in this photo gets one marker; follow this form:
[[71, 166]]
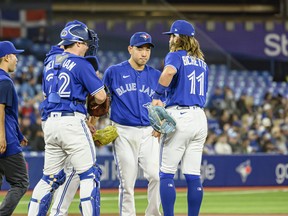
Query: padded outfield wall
[[218, 171]]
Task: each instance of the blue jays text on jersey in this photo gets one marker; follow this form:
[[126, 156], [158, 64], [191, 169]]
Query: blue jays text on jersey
[[131, 92], [191, 75], [74, 79], [133, 87]]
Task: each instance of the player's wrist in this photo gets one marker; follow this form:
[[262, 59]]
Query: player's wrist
[[156, 96], [160, 90]]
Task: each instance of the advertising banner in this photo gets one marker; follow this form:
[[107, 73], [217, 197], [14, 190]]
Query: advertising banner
[[216, 171], [254, 39]]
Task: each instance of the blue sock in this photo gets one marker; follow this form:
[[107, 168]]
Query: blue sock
[[167, 193], [195, 194]]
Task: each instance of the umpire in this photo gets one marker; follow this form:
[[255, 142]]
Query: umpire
[[12, 162]]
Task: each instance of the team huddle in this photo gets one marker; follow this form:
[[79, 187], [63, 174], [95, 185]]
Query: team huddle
[[157, 121]]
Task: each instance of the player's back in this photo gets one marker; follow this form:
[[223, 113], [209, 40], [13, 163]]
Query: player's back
[[67, 82], [190, 83]]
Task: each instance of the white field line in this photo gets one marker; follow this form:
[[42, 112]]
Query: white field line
[[224, 193]]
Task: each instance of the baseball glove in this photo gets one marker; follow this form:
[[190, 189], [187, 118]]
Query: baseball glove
[[161, 120], [95, 109], [105, 136]]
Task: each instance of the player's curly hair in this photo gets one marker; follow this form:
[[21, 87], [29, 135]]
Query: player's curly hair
[[190, 44]]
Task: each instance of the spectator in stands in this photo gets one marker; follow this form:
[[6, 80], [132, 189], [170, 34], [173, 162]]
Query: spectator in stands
[[217, 100], [234, 141], [37, 142], [209, 144], [225, 117], [245, 104], [213, 121], [230, 102], [222, 146], [26, 127], [279, 140], [254, 140], [284, 131], [27, 88], [245, 147]]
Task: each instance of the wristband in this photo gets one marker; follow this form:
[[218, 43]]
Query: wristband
[[156, 96], [160, 89]]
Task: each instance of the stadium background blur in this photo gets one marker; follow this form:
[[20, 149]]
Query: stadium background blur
[[245, 43]]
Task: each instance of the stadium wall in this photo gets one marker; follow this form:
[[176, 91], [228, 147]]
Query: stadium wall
[[218, 171]]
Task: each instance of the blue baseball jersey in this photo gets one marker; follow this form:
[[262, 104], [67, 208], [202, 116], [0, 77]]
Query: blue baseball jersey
[[75, 79], [8, 96], [131, 93], [54, 51], [190, 83]]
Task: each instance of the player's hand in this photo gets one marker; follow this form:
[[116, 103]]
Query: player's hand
[[91, 127], [3, 145], [157, 103], [156, 134], [24, 142]]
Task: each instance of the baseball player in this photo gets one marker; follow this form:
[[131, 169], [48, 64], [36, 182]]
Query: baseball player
[[131, 84], [185, 79], [67, 80], [64, 195], [12, 161]]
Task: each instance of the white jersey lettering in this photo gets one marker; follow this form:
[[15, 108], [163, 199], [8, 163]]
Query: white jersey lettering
[[128, 87], [49, 66], [190, 60], [147, 90], [69, 65]]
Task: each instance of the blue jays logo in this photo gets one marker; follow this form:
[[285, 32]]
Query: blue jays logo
[[64, 33], [147, 105], [244, 169], [144, 36]]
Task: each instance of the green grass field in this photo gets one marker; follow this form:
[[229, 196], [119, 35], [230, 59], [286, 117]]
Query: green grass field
[[240, 201]]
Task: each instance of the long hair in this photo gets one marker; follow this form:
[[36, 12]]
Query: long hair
[[190, 44]]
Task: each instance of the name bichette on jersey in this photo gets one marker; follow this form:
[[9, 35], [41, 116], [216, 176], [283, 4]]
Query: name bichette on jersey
[[133, 87], [190, 60]]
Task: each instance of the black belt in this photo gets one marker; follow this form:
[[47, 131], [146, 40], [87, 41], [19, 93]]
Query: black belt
[[62, 114]]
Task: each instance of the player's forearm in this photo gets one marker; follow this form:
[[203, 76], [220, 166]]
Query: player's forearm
[[100, 97], [2, 122], [167, 76], [93, 120]]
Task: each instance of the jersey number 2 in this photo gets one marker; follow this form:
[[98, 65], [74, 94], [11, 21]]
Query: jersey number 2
[[63, 92]]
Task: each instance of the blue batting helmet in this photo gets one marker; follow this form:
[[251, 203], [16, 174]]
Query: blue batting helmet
[[76, 31]]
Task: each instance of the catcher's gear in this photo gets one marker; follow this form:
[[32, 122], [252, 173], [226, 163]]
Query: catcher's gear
[[54, 181], [93, 200], [161, 120], [105, 136], [76, 31], [94, 61]]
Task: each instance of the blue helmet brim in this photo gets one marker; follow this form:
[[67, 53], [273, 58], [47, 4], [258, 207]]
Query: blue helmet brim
[[65, 42]]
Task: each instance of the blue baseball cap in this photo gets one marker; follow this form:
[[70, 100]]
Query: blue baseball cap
[[181, 27], [6, 48], [141, 38]]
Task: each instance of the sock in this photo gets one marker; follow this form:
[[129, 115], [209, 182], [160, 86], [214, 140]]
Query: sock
[[195, 194], [167, 193]]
